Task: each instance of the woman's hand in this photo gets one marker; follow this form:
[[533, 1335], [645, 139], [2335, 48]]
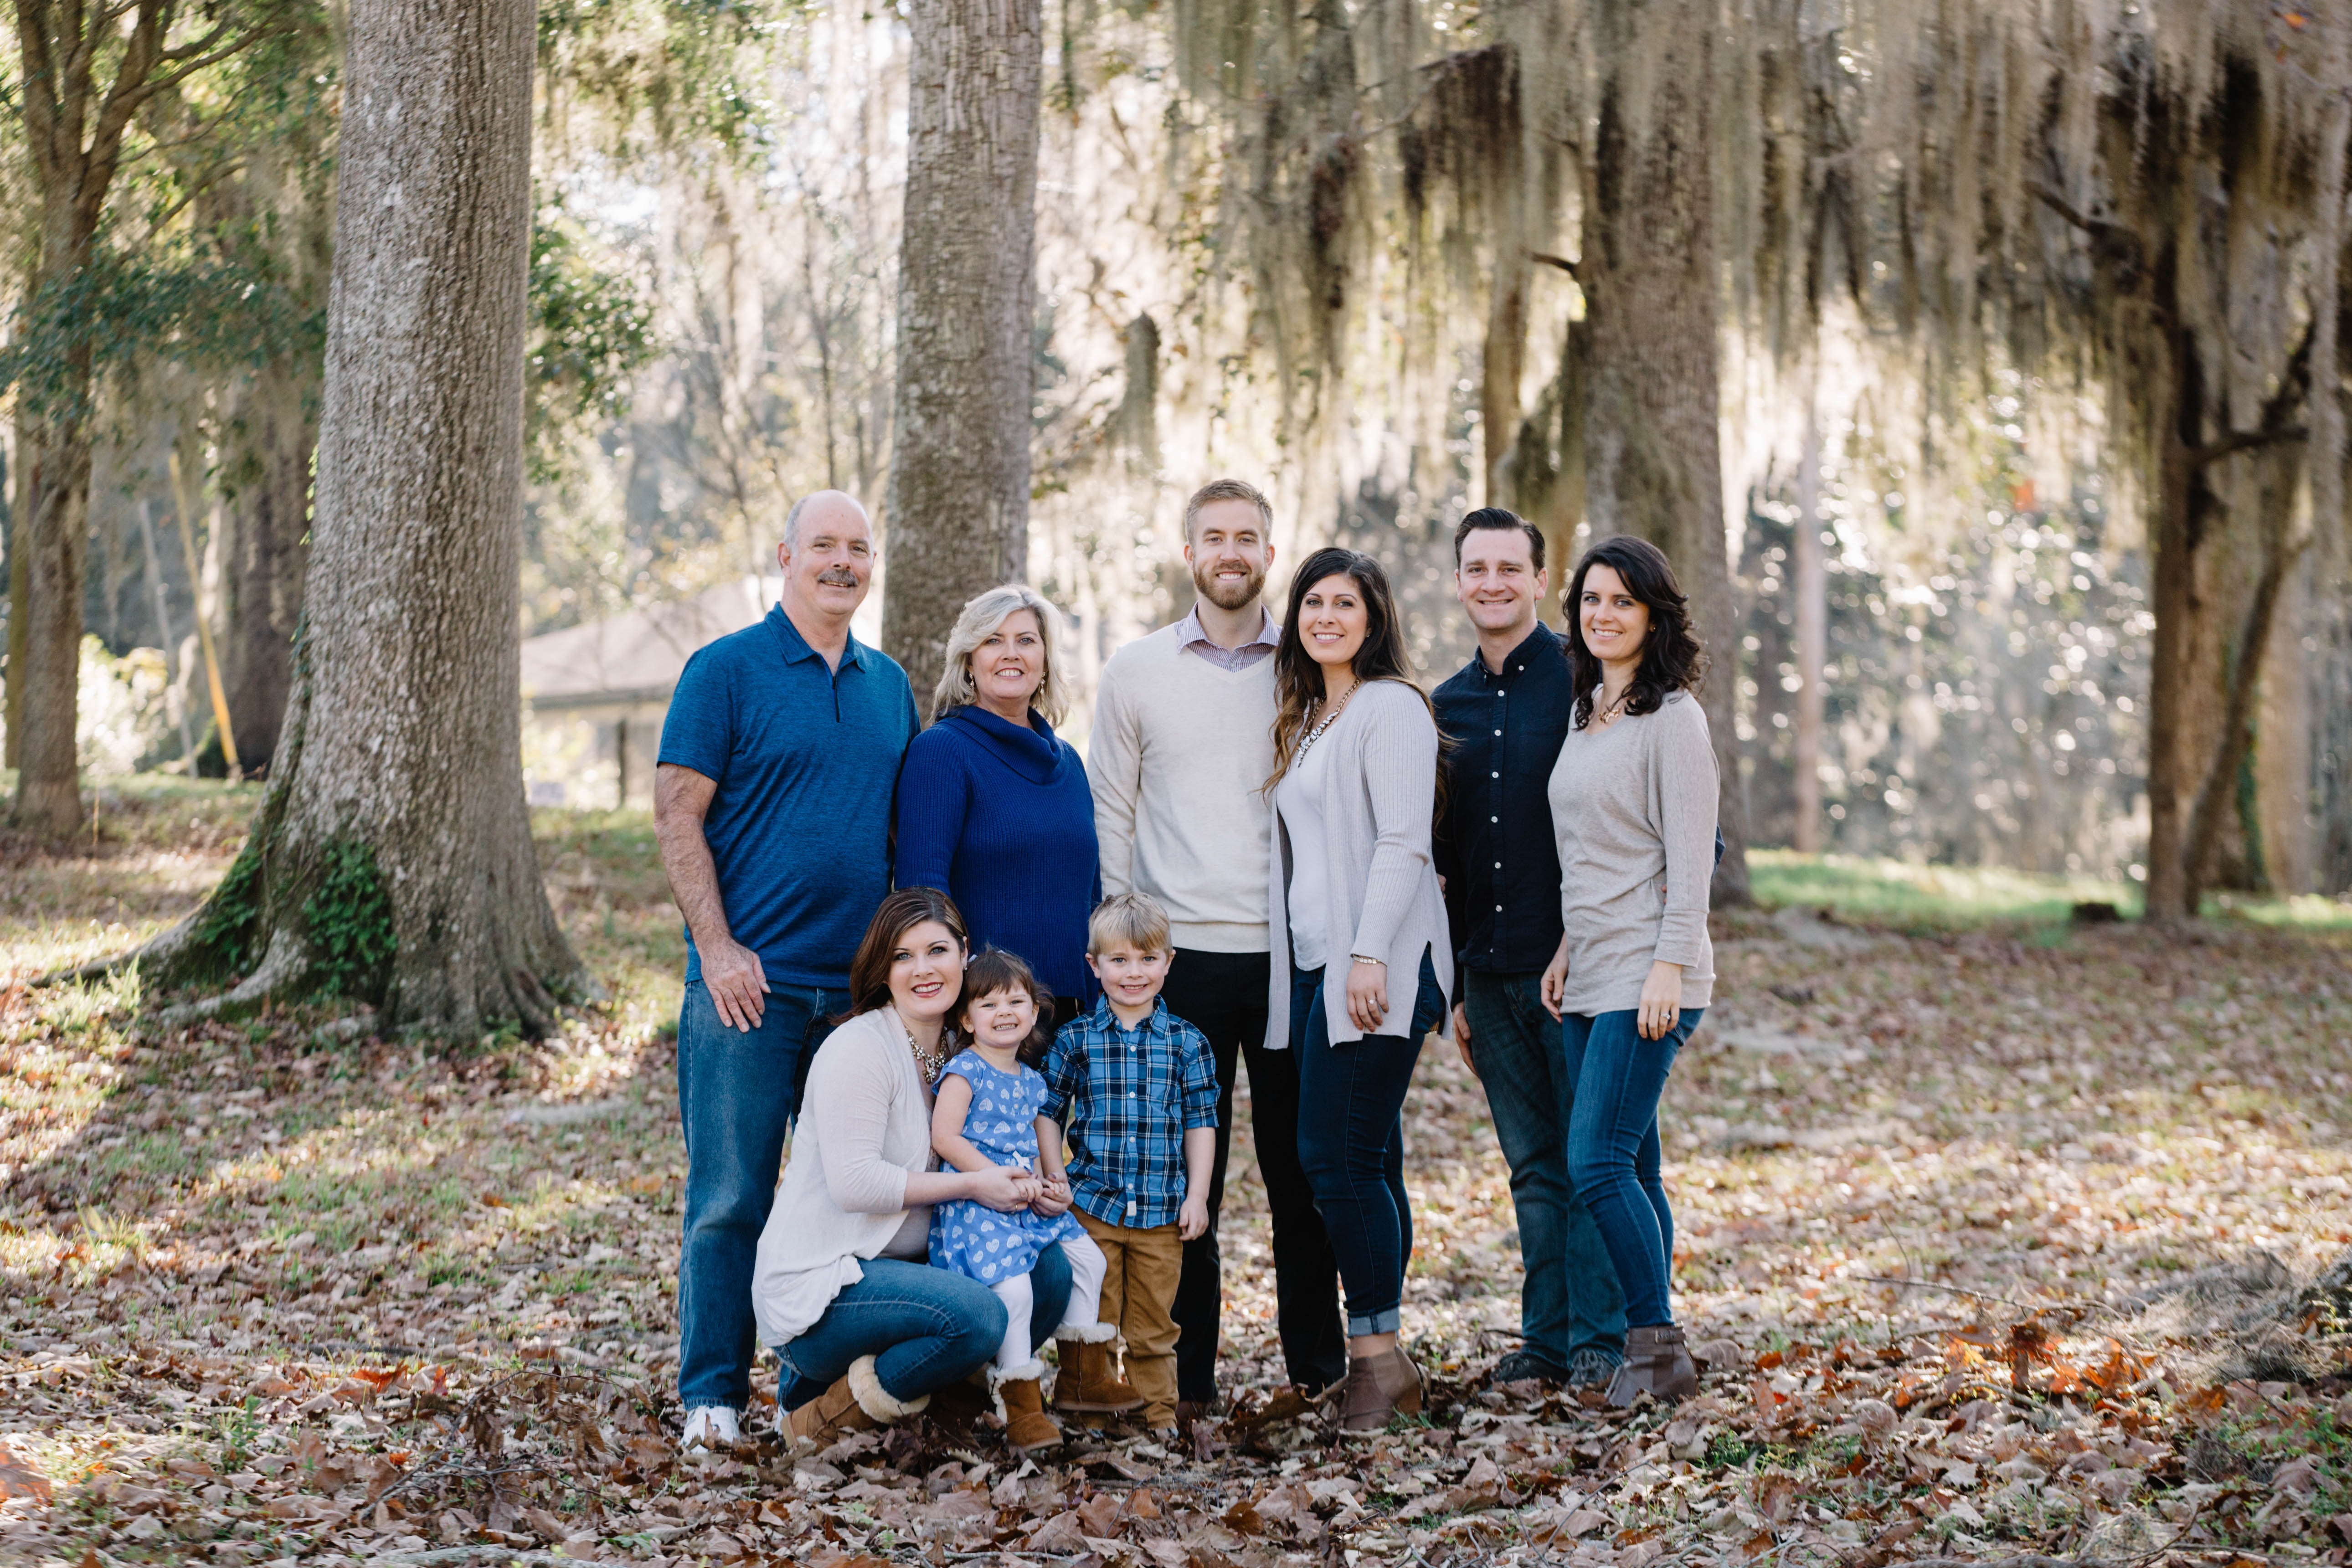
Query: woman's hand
[[1368, 995], [1002, 1188], [1555, 979], [1661, 1000], [1053, 1200]]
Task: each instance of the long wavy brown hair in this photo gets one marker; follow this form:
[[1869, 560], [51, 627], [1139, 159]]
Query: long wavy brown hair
[[1298, 679], [1671, 658]]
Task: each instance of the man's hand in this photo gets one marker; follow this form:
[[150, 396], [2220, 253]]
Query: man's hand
[[1193, 1218], [737, 981], [1462, 1036]]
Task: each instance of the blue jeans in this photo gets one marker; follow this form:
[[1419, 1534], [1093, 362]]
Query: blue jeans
[[1351, 1142], [737, 1095], [1613, 1147], [924, 1327], [1571, 1301]]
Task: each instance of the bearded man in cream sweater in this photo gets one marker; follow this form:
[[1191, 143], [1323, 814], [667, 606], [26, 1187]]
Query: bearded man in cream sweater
[[1181, 746]]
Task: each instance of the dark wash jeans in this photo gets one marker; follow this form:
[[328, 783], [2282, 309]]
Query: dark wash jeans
[[737, 1095], [1613, 1147], [1223, 994], [1351, 1141], [1571, 1301], [924, 1327]]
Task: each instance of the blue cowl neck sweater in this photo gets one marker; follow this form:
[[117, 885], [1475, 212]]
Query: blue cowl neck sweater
[[1002, 818]]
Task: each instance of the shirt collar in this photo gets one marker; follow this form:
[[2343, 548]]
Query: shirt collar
[[796, 648], [1104, 1018], [1516, 659], [1189, 630]]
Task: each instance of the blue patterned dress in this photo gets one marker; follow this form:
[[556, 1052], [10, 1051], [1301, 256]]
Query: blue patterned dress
[[973, 1239]]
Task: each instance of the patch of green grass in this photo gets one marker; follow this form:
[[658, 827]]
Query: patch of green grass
[[1903, 894]]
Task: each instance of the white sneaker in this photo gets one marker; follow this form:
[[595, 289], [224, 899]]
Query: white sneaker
[[710, 1426]]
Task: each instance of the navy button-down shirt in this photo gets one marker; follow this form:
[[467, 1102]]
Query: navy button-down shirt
[[1494, 845]]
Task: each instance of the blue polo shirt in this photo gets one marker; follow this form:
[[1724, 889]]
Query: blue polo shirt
[[804, 758]]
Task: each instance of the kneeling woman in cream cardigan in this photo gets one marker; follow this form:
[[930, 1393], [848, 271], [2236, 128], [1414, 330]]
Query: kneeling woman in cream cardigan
[[866, 1328]]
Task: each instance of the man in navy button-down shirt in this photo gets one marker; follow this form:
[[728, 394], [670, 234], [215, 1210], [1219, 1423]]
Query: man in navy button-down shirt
[[1507, 714]]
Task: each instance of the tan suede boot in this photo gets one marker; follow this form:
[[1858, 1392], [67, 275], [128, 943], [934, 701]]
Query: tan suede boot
[[1027, 1428], [1088, 1381], [1658, 1363], [1380, 1389], [858, 1403]]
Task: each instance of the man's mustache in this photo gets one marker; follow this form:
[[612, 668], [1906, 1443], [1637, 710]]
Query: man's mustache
[[838, 577]]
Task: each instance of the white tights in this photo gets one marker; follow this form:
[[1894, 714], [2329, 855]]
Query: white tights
[[1087, 1267]]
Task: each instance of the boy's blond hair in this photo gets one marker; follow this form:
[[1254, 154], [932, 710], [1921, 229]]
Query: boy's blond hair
[[1129, 919]]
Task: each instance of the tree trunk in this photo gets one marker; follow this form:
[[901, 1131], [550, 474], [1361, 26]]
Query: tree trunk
[[1648, 270], [21, 501], [264, 567], [1809, 581], [967, 288], [56, 543], [2173, 570], [392, 858]]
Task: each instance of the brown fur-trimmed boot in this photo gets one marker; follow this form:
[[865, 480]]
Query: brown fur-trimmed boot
[[1658, 1363], [858, 1403], [1027, 1428], [1088, 1381]]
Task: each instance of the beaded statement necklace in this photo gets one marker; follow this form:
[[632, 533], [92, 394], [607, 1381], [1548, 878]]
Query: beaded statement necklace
[[928, 1063], [1307, 741]]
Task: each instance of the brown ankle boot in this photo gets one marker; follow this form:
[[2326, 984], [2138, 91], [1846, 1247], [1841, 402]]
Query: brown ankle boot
[[1380, 1388], [1027, 1427], [1658, 1363], [1089, 1380], [858, 1403]]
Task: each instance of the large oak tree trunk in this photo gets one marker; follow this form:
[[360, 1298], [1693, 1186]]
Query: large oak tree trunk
[[967, 288], [55, 539], [393, 856], [1809, 579], [1648, 271]]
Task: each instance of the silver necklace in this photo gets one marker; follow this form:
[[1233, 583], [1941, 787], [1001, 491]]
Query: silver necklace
[[1308, 739], [928, 1063]]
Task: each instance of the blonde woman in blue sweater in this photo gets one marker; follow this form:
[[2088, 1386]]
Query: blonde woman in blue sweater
[[993, 807]]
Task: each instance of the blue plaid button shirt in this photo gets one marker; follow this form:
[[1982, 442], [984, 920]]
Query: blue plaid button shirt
[[1126, 1098]]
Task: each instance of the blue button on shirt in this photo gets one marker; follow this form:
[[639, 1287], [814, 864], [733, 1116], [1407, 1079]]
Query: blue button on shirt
[[800, 825], [1494, 845], [1126, 1098]]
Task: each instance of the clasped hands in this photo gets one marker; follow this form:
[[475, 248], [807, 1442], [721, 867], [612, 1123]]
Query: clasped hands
[[1009, 1188]]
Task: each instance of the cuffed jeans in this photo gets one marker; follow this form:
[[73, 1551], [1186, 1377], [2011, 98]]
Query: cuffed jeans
[[1613, 1147], [737, 1095], [924, 1327], [1571, 1301], [1223, 994], [1351, 1141]]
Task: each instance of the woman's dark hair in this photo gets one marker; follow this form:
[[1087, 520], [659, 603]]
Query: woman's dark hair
[[1298, 679], [992, 970], [1672, 660], [901, 912]]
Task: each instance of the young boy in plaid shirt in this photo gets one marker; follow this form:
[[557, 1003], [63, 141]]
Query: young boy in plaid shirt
[[1132, 1086]]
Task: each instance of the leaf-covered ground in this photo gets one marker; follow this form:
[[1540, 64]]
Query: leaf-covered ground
[[2000, 1249]]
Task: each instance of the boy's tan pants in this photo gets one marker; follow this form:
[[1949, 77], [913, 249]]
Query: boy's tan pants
[[1139, 1294]]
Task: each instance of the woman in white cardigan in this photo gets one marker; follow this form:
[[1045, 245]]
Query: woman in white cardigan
[[841, 1291], [1354, 900]]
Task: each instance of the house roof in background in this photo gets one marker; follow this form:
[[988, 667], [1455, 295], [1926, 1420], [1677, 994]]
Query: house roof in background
[[636, 657]]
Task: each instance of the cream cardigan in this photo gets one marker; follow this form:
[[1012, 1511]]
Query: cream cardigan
[[1378, 791], [864, 1126]]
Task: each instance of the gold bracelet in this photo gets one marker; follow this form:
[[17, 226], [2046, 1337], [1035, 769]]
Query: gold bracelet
[[1359, 958]]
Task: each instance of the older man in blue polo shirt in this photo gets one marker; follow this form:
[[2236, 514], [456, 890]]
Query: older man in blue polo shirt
[[772, 802]]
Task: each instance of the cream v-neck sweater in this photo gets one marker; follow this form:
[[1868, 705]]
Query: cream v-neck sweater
[[1179, 752]]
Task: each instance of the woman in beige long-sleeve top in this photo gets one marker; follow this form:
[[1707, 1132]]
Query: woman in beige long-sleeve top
[[1632, 808], [1354, 903]]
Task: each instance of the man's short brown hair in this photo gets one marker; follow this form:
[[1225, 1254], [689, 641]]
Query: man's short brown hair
[[1502, 520], [1228, 490]]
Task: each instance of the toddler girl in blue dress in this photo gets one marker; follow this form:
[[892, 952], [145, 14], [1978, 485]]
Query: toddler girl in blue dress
[[985, 1113]]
